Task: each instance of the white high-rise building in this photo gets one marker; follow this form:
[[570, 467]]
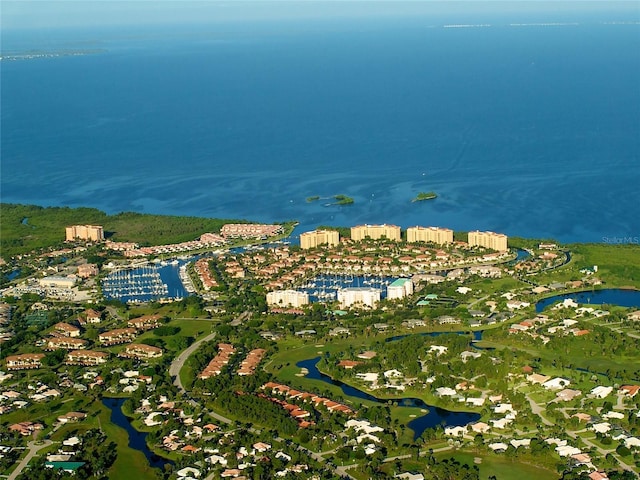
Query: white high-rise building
[[287, 298], [358, 297]]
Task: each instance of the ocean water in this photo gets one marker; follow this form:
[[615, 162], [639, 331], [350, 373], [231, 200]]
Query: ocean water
[[530, 130]]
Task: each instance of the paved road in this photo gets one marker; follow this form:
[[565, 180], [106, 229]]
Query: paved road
[[178, 362], [601, 450], [33, 449], [537, 409]]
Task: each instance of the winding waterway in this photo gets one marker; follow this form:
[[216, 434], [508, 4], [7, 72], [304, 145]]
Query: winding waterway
[[435, 416], [137, 440]]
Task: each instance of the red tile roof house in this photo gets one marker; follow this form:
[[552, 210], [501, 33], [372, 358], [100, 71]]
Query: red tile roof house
[[25, 428], [629, 390], [25, 361], [349, 364]]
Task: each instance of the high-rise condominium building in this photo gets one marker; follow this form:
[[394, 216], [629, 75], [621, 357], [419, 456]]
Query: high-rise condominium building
[[84, 232], [495, 241], [375, 232], [319, 237]]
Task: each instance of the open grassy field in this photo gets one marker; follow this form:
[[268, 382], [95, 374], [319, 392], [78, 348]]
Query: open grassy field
[[505, 468]]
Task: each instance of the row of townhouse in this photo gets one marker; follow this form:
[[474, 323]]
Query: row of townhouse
[[206, 240], [249, 364], [201, 268], [225, 351], [306, 396], [250, 230]]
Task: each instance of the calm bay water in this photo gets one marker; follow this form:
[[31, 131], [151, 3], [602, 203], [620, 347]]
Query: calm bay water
[[527, 130]]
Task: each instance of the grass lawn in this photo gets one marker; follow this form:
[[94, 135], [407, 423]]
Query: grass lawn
[[505, 468]]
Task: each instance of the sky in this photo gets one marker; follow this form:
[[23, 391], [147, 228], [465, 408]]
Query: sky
[[26, 14]]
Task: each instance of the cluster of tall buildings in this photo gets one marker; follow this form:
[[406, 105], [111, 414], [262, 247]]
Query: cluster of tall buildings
[[94, 233], [437, 235]]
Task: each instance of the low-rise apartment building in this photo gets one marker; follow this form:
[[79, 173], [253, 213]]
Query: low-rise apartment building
[[119, 335], [65, 343], [86, 358], [141, 351], [146, 322], [66, 329], [25, 361]]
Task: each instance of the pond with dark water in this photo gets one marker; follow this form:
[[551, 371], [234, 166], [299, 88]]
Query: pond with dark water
[[435, 416], [137, 440]]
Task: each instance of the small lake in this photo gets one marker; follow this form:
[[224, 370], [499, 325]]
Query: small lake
[[436, 416], [137, 440], [609, 296], [13, 274], [477, 335]]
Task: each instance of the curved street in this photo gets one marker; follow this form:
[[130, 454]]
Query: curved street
[[33, 448]]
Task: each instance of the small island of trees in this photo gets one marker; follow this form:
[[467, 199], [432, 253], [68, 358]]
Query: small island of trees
[[343, 200], [339, 199], [425, 196]]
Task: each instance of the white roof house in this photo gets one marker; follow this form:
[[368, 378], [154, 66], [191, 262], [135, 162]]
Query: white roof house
[[556, 383], [601, 392]]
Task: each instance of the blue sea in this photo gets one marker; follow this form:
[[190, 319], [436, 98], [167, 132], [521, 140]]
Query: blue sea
[[523, 124]]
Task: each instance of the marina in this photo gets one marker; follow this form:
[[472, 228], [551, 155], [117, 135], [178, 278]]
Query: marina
[[164, 281]]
